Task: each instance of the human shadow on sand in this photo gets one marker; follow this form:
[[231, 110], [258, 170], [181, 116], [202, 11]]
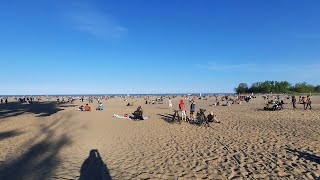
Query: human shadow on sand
[[40, 109], [305, 155], [9, 134], [93, 168], [170, 118]]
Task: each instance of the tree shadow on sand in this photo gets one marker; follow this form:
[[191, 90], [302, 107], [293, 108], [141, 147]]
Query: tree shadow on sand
[[93, 168], [9, 134], [40, 109], [305, 155], [40, 160]]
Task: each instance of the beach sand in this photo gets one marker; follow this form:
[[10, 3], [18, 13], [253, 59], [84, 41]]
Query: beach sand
[[43, 141]]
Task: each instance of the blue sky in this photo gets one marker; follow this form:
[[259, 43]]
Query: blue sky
[[155, 46]]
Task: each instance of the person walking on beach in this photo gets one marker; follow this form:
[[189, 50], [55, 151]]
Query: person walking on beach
[[6, 101], [294, 101], [192, 109], [304, 101], [308, 102], [182, 108], [170, 103]]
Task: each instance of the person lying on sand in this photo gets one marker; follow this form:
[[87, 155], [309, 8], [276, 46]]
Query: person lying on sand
[[228, 104]]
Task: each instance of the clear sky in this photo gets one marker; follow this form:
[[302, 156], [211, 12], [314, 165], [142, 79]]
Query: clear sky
[[155, 46]]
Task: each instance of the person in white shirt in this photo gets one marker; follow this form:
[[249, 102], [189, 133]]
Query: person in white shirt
[[170, 103]]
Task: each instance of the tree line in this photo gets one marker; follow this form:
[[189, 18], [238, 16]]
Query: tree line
[[277, 87]]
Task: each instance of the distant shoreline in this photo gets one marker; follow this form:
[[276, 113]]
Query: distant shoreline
[[160, 94]]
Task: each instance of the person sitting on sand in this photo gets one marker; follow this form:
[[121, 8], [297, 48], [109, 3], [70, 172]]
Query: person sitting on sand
[[87, 108], [139, 109], [81, 108], [212, 118], [100, 107], [138, 114]]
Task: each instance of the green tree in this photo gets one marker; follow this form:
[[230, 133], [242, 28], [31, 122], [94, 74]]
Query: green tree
[[303, 88], [255, 87], [282, 87], [242, 88]]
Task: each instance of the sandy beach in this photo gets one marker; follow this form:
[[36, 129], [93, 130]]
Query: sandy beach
[[46, 141]]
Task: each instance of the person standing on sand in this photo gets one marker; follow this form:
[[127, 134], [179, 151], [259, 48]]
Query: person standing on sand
[[304, 101], [170, 103], [182, 108], [6, 101], [308, 102], [294, 101], [192, 109]]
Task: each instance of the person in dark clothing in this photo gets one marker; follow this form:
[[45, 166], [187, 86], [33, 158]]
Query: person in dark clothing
[[212, 118], [192, 109], [294, 101], [138, 114]]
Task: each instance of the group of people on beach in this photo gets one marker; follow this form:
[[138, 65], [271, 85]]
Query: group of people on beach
[[4, 100], [88, 108], [182, 108], [306, 101], [84, 108]]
